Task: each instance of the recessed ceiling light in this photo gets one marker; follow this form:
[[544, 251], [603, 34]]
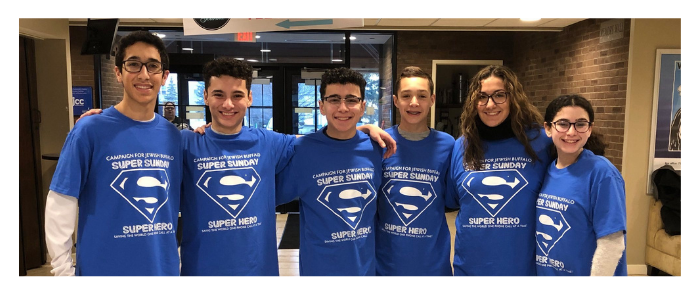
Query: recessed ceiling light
[[352, 38], [239, 58], [265, 50], [273, 59], [187, 49], [257, 36], [159, 35], [336, 60], [530, 19], [253, 60]]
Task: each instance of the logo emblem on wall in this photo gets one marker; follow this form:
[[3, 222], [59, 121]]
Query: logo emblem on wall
[[553, 228], [145, 189], [211, 24], [408, 198], [348, 200], [230, 188], [493, 189]]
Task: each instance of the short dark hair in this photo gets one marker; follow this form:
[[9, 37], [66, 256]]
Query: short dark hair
[[343, 75], [595, 142], [169, 103], [228, 66], [414, 71], [145, 37]]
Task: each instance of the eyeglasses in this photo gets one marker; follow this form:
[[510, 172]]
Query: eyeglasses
[[350, 101], [134, 66], [563, 126], [169, 108], [499, 97]]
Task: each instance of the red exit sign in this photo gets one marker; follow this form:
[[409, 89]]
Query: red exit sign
[[245, 37]]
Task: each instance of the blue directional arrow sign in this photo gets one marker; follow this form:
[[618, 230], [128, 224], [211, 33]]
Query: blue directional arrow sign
[[288, 24]]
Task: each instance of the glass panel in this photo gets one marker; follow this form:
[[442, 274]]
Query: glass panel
[[168, 92], [195, 112], [371, 55], [259, 117], [196, 92]]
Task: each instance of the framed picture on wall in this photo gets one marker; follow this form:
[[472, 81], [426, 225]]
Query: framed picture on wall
[[666, 114]]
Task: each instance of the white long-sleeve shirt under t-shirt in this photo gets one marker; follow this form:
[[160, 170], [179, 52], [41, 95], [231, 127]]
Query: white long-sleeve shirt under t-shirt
[[61, 213]]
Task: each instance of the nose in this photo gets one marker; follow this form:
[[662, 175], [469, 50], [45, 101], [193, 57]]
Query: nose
[[343, 106], [228, 103], [571, 131], [143, 73], [414, 101], [490, 103]]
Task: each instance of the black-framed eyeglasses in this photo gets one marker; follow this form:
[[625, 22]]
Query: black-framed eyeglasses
[[134, 66], [563, 126], [498, 97], [350, 101], [169, 108]]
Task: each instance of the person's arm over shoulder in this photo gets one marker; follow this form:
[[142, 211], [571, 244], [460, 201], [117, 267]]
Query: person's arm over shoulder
[[60, 215]]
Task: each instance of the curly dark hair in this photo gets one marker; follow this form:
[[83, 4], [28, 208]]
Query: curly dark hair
[[228, 66], [343, 75], [524, 116], [145, 37], [595, 142]]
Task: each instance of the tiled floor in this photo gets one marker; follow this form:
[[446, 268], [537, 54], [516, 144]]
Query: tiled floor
[[288, 258]]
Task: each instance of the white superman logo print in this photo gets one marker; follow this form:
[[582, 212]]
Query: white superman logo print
[[493, 189], [231, 188], [348, 200], [408, 198], [145, 189], [551, 227]]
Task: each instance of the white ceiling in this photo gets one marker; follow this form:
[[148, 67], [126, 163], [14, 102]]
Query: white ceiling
[[438, 24]]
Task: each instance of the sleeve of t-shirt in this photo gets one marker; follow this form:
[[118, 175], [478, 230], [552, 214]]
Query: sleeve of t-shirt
[[285, 150], [73, 163], [455, 169], [285, 183], [608, 200]]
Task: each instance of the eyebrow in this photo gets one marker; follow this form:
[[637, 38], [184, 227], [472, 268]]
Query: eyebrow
[[494, 92], [138, 58]]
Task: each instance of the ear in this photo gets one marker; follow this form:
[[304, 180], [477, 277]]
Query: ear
[[432, 99], [590, 129], [250, 98], [165, 77], [362, 106], [396, 99], [118, 74], [206, 98], [320, 107], [547, 129]]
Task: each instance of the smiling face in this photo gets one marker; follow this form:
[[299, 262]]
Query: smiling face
[[342, 119], [413, 102], [493, 114], [570, 143], [141, 87], [228, 100]]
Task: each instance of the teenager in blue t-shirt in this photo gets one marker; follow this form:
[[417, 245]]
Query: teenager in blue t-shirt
[[335, 173], [581, 217], [228, 201], [413, 238], [498, 165], [122, 169]]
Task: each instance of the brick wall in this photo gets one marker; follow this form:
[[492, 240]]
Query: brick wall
[[82, 66], [420, 48], [112, 91], [385, 102], [574, 61]]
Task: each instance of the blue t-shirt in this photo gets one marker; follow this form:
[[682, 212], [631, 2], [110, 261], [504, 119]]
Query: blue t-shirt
[[228, 201], [336, 183], [126, 176], [413, 238], [495, 224], [578, 205]]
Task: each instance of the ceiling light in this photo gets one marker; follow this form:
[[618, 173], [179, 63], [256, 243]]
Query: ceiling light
[[257, 36], [530, 19], [239, 58], [187, 49], [253, 60], [273, 59], [336, 60], [159, 35], [352, 38], [265, 50]]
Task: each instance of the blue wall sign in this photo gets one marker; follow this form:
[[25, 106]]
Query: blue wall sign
[[82, 99]]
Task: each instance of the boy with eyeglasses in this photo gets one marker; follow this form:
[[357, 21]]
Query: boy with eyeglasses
[[335, 173], [123, 170], [413, 238]]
